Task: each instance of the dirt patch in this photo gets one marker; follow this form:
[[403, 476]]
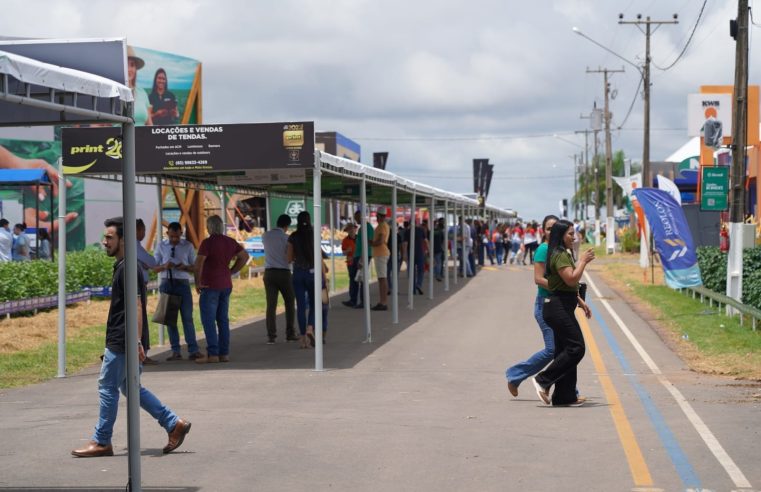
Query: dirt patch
[[28, 332]]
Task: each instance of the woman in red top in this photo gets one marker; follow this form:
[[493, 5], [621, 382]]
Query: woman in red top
[[213, 277]]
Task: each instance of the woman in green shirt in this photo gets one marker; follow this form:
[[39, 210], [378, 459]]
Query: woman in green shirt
[[563, 275]]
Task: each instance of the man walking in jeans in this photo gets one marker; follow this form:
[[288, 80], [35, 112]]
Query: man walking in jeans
[[277, 279], [175, 258], [113, 371]]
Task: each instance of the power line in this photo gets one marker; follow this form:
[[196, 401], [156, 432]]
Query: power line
[[465, 138], [631, 106], [750, 9], [493, 137], [694, 28]]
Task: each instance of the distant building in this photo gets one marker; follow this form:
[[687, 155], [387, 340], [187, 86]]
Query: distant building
[[336, 144]]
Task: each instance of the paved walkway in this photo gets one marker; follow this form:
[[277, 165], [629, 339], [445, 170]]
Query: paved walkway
[[424, 407]]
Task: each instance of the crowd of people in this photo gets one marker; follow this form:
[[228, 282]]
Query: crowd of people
[[289, 272], [176, 262], [16, 246]]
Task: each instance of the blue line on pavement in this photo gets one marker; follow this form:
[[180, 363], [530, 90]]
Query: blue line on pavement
[[678, 457]]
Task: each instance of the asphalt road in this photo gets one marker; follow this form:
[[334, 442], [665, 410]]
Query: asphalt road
[[423, 407]]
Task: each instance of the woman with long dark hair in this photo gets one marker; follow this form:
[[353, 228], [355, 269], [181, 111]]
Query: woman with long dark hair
[[163, 102], [519, 372], [563, 274], [301, 254]]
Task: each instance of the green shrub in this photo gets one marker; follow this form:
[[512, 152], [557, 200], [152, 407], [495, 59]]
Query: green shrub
[[26, 279], [629, 239], [713, 270]]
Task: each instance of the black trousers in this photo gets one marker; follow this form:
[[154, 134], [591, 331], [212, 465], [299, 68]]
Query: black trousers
[[276, 282], [559, 314]]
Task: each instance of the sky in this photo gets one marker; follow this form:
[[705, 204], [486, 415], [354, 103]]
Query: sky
[[434, 83]]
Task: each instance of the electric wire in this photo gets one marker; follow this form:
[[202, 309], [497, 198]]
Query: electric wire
[[687, 44], [631, 106], [750, 10], [495, 137]]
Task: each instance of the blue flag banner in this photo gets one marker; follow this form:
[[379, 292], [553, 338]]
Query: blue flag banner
[[671, 236]]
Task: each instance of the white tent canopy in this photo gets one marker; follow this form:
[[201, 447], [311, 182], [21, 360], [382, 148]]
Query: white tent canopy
[[34, 72]]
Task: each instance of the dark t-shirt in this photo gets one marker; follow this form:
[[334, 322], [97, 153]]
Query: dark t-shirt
[[438, 240], [419, 240], [116, 324], [218, 250], [165, 101], [302, 253]]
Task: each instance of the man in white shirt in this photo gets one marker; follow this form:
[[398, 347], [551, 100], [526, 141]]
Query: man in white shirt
[[6, 240], [175, 258], [277, 279]]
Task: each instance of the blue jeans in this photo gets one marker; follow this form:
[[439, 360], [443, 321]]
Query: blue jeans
[[500, 252], [539, 360], [303, 285], [438, 264], [215, 304], [113, 378], [181, 288]]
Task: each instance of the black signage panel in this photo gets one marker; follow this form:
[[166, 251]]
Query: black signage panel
[[192, 148], [96, 150]]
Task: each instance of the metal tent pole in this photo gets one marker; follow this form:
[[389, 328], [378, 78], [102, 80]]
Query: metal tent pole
[[332, 247], [394, 259], [411, 254], [130, 307], [446, 246], [431, 261], [462, 243], [159, 238], [61, 270], [316, 301], [455, 258], [223, 206], [365, 261], [268, 211]]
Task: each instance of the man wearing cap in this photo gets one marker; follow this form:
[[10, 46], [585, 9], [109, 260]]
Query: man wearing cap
[[381, 255], [142, 106]]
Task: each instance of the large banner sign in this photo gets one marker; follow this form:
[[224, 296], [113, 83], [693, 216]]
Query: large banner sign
[[185, 149], [671, 236]]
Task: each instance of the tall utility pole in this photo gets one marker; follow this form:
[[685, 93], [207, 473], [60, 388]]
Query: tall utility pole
[[610, 238], [648, 23], [739, 125], [739, 141]]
